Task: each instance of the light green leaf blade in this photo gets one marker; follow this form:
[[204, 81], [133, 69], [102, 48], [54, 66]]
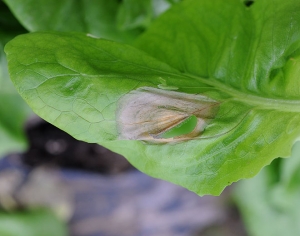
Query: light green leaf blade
[[269, 202], [31, 223], [76, 83], [120, 21]]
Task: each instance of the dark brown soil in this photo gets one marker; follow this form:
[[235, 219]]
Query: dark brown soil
[[52, 146], [96, 194]]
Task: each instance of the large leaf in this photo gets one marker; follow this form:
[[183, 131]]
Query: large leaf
[[31, 223], [270, 201], [243, 62]]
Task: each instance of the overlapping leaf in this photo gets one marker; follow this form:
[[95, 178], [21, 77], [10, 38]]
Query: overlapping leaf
[[270, 201], [117, 20], [13, 110], [97, 17]]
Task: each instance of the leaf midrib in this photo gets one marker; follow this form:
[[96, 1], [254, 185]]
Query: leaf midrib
[[250, 98]]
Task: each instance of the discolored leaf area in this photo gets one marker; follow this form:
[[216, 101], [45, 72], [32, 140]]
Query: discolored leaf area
[[247, 61], [157, 115]]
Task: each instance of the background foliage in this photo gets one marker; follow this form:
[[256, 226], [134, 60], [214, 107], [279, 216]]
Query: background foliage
[[13, 110]]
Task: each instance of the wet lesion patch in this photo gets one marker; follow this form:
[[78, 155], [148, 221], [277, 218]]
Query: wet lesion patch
[[162, 116]]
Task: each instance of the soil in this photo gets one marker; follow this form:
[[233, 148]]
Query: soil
[[49, 145]]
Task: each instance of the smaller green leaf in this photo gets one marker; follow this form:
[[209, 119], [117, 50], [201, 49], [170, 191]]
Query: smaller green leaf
[[13, 113], [96, 17], [40, 222], [269, 202]]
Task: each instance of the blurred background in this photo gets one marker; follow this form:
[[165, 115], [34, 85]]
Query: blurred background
[[52, 184], [93, 192]]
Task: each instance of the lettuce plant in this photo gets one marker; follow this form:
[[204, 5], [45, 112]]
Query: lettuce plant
[[34, 222], [242, 57]]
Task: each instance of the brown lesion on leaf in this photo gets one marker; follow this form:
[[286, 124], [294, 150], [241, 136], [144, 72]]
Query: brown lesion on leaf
[[145, 113]]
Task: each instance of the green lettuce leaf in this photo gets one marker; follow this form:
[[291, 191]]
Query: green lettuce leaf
[[117, 20], [245, 58], [13, 110], [270, 201], [96, 17], [31, 223]]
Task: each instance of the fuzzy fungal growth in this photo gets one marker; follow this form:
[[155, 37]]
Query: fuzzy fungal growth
[[162, 116]]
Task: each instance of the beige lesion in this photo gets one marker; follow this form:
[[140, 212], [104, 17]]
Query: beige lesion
[[145, 113]]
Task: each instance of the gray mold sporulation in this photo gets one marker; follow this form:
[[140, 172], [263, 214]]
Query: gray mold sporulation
[[145, 113]]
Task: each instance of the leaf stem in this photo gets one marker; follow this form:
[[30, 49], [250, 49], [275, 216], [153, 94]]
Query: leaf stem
[[251, 98]]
